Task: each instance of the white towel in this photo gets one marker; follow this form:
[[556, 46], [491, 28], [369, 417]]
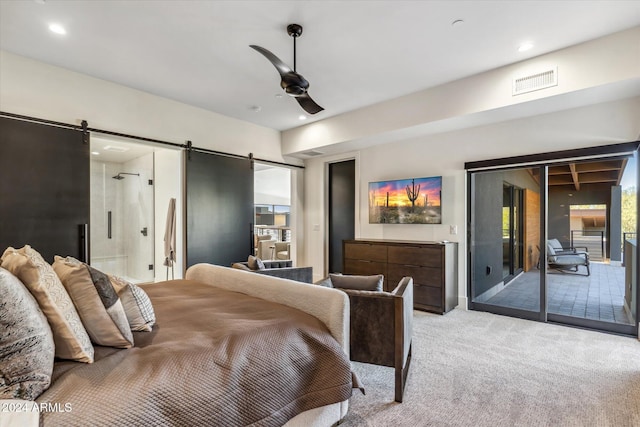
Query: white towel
[[170, 235]]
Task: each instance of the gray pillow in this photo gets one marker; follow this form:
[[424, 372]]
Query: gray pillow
[[326, 282], [26, 342], [255, 263], [361, 283], [240, 266]]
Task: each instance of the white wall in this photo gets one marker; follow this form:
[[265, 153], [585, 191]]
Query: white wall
[[40, 90], [168, 184], [606, 69], [272, 186], [445, 155]]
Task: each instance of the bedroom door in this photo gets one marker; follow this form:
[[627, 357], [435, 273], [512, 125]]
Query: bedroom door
[[219, 217], [342, 196], [44, 188]]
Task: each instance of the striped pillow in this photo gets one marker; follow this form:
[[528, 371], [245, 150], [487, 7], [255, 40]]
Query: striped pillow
[[137, 304]]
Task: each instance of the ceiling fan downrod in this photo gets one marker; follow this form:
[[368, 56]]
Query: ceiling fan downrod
[[295, 31]]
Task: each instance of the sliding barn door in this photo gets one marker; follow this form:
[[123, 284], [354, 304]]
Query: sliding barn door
[[219, 192], [44, 188]]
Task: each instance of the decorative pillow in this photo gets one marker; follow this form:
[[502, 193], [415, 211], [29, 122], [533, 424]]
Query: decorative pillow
[[326, 282], [97, 302], [26, 342], [255, 263], [70, 337], [361, 283], [240, 266], [137, 304]]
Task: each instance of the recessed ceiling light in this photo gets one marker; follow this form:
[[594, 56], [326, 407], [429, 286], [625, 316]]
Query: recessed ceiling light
[[95, 153], [525, 46], [278, 95], [302, 117], [255, 108], [457, 23], [57, 28]]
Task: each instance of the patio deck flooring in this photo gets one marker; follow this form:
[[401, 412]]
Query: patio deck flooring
[[599, 296]]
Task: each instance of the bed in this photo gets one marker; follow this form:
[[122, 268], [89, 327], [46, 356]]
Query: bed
[[229, 348]]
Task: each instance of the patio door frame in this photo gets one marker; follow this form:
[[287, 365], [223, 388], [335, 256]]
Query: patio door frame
[[515, 258], [543, 161]]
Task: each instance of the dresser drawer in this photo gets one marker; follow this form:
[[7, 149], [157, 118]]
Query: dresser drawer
[[427, 296], [364, 268], [365, 251], [425, 256], [421, 275]]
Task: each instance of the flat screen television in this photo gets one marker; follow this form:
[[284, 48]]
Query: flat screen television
[[406, 201]]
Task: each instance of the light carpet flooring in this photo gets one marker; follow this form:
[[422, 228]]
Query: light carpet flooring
[[479, 369]]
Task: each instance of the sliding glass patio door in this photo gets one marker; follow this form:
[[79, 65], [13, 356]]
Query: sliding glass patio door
[[556, 240], [505, 238]]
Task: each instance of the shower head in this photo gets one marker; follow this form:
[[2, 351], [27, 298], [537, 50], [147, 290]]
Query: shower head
[[119, 176]]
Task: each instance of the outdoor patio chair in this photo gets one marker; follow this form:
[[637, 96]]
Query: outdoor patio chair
[[567, 260]]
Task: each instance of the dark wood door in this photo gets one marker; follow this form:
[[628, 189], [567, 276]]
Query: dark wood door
[[44, 188], [219, 194], [342, 199]]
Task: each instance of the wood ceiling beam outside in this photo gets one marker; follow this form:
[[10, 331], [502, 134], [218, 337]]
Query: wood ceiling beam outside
[[621, 172], [597, 177], [599, 166], [574, 176]]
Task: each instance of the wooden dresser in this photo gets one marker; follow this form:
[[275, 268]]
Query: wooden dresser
[[433, 266]]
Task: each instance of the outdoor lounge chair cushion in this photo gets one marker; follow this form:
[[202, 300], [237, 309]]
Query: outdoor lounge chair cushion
[[570, 260], [551, 252]]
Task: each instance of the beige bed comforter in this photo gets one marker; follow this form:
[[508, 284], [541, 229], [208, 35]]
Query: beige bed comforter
[[215, 358]]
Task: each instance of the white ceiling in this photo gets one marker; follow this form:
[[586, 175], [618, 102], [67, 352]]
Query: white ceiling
[[354, 53]]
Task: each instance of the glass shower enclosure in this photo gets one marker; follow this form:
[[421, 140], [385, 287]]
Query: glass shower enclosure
[[122, 216]]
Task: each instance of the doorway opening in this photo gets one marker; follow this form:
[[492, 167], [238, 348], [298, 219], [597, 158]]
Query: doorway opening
[[273, 228], [128, 206]]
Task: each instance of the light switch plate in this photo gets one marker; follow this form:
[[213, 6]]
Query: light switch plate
[[453, 229]]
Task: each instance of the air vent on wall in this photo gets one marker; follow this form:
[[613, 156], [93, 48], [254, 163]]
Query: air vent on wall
[[542, 80], [115, 148]]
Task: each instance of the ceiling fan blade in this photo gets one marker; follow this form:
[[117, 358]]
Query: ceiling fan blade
[[308, 104], [280, 66]]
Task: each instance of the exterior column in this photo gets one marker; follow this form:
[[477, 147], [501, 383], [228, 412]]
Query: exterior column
[[615, 226]]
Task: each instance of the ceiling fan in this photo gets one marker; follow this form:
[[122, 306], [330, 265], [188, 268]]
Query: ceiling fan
[[292, 82]]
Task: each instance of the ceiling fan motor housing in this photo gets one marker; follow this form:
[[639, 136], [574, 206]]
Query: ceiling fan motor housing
[[294, 84]]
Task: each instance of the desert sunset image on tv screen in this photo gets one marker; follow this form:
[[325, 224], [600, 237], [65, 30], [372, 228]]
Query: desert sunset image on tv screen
[[406, 201]]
